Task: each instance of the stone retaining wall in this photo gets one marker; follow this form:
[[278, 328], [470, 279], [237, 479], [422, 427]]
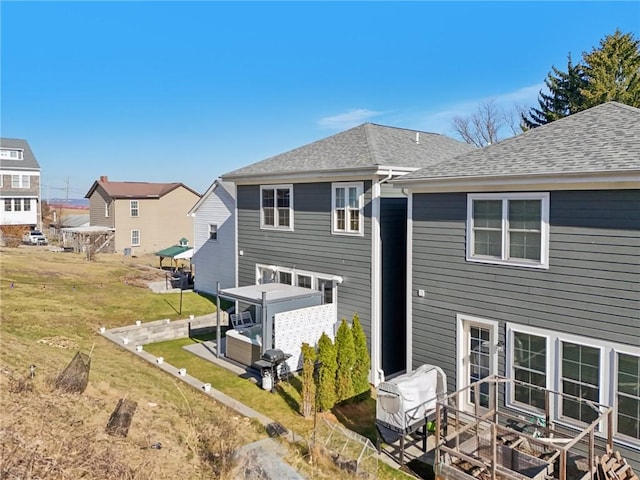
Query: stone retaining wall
[[162, 330]]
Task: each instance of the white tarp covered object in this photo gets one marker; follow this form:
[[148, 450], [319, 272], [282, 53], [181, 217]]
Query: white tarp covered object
[[404, 402]]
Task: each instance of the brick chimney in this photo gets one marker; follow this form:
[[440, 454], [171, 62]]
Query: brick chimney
[[104, 179]]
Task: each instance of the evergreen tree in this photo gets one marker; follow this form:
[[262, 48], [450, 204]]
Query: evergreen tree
[[346, 359], [613, 71], [308, 382], [564, 97], [326, 373], [361, 368]]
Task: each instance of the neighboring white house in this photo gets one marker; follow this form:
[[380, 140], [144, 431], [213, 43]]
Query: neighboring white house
[[214, 257]]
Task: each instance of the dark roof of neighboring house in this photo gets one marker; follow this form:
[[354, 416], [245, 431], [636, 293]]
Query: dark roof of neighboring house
[[602, 139], [28, 161], [135, 189], [75, 220], [367, 146]]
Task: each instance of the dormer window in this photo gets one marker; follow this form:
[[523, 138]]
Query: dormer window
[[12, 154]]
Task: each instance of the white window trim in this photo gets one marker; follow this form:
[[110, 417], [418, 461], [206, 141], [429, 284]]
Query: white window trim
[[607, 381], [315, 276], [360, 189], [461, 319], [138, 243], [131, 208], [613, 390], [106, 210], [287, 228], [544, 228], [6, 153], [209, 235]]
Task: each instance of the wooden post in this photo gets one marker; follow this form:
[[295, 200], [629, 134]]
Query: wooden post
[[494, 450], [218, 346]]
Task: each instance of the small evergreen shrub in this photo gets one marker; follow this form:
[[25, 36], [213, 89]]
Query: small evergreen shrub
[[326, 373], [360, 373], [345, 359]]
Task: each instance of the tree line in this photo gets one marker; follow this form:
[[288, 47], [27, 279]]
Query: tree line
[[609, 72]]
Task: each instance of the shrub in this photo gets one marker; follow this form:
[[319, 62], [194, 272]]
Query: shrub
[[308, 382], [360, 373], [326, 373], [345, 359]]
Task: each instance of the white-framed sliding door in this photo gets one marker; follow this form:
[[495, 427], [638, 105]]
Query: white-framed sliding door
[[477, 339]]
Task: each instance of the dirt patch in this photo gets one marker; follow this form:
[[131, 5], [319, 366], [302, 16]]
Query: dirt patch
[[59, 342]]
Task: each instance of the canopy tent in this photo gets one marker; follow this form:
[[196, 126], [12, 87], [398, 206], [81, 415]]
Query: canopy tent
[[177, 252]]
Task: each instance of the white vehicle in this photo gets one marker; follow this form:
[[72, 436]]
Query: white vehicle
[[34, 237]]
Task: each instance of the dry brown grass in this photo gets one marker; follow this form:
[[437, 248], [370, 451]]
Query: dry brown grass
[[54, 309]]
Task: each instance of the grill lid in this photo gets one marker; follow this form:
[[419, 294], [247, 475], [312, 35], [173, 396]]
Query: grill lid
[[274, 355]]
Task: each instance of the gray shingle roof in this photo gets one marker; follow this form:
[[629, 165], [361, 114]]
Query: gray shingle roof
[[367, 146], [605, 138], [28, 161]]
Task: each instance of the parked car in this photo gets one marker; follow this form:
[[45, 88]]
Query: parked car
[[34, 237]]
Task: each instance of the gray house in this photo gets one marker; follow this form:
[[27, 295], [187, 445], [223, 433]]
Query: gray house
[[19, 185], [214, 258], [524, 260], [325, 216]]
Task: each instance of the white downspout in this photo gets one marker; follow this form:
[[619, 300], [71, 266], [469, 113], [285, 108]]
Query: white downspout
[[376, 374]]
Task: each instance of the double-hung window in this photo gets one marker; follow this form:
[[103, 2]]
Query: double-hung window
[[508, 229], [8, 205], [20, 181], [276, 207], [213, 231], [135, 238], [347, 201], [579, 381], [529, 366], [584, 372], [27, 204], [17, 204], [134, 208], [628, 395]]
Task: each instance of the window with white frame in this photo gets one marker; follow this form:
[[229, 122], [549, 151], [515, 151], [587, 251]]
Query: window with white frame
[[17, 204], [325, 285], [276, 207], [579, 381], [134, 208], [213, 231], [304, 281], [347, 201], [135, 238], [508, 229], [529, 366], [582, 370], [284, 277], [628, 395], [10, 153], [106, 210], [302, 278], [27, 204], [8, 205], [20, 181]]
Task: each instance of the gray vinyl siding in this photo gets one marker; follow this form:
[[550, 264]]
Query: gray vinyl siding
[[591, 289], [97, 203], [214, 260], [310, 246]]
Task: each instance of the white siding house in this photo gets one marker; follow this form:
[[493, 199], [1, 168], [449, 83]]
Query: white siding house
[[214, 257]]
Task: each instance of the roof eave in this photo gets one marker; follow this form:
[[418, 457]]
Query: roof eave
[[625, 179]]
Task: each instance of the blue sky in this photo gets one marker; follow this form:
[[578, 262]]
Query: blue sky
[[186, 91]]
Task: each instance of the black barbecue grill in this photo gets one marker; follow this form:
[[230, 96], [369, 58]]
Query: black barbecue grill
[[270, 361]]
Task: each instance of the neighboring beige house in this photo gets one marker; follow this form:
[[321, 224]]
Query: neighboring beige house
[[147, 217]]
